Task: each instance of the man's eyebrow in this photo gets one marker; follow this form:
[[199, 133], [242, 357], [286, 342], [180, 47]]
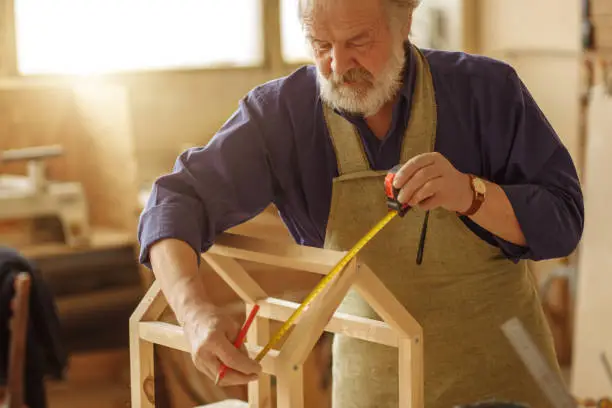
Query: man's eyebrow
[[360, 36]]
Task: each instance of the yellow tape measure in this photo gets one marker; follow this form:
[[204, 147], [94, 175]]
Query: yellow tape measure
[[324, 282]]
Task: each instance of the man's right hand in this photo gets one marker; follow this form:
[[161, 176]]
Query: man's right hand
[[211, 334]]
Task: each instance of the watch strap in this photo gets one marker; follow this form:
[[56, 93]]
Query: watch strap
[[477, 199]]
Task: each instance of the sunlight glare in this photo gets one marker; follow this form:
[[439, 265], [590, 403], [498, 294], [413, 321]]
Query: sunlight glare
[[100, 36]]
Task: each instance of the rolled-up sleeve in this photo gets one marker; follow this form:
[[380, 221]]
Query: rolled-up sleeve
[[211, 188], [539, 178]]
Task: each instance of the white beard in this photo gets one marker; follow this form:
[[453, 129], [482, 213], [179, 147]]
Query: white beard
[[372, 94]]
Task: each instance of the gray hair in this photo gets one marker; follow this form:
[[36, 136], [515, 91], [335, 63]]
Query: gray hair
[[399, 11]]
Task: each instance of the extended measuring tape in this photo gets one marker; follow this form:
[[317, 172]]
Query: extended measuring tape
[[396, 209], [549, 382]]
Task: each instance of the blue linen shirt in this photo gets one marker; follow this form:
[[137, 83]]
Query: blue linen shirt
[[276, 148]]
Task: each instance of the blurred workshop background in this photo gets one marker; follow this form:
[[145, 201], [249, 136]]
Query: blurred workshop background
[[98, 97]]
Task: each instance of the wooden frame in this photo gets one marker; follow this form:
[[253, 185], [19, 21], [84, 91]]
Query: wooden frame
[[399, 329]]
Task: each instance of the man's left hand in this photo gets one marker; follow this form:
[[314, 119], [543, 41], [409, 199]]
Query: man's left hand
[[429, 181]]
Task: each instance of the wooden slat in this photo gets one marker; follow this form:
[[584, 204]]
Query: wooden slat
[[349, 325], [386, 305], [411, 392], [236, 277], [142, 370], [151, 306], [276, 253], [307, 331], [170, 335], [290, 387], [164, 334], [259, 392]]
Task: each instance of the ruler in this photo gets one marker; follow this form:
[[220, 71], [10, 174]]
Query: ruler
[[549, 382], [339, 267]]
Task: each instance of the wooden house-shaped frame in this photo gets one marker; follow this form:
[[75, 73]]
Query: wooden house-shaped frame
[[398, 328]]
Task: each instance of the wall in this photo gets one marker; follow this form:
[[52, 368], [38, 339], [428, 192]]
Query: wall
[[543, 43], [593, 332], [92, 123], [185, 108], [439, 24]]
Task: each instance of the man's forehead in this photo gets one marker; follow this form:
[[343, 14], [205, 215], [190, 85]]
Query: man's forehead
[[348, 16]]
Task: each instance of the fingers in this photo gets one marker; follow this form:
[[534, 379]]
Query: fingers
[[417, 182], [412, 166], [235, 359], [207, 363], [430, 203], [233, 377]]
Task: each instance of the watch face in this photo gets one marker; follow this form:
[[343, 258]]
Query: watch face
[[479, 186]]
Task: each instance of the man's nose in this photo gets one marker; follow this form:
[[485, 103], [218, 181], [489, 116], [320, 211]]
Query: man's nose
[[342, 61]]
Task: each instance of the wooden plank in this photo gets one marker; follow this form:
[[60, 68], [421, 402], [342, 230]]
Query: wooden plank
[[411, 374], [354, 326], [290, 387], [386, 305], [236, 277], [165, 334], [142, 371], [30, 153], [259, 392], [307, 331], [171, 336], [151, 306], [288, 255]]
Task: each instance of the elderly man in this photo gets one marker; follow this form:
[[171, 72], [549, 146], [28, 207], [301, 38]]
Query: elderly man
[[489, 182]]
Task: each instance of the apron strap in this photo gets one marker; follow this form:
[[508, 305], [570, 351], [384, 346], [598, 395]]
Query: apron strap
[[350, 155], [420, 135]]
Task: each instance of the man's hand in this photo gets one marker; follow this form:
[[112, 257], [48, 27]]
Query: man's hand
[[429, 181], [211, 335]]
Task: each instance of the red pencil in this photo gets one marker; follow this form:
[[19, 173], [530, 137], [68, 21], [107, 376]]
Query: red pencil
[[239, 340]]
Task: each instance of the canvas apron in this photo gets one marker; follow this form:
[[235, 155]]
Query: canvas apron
[[461, 294]]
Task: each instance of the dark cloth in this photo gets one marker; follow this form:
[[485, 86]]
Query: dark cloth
[[45, 355], [276, 148]]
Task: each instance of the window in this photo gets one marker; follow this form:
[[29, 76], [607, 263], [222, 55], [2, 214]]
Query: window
[[102, 36], [294, 46]]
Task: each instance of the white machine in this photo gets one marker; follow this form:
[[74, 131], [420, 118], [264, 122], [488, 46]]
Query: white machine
[[33, 196]]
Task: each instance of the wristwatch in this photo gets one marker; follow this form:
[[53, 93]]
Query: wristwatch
[[479, 189]]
